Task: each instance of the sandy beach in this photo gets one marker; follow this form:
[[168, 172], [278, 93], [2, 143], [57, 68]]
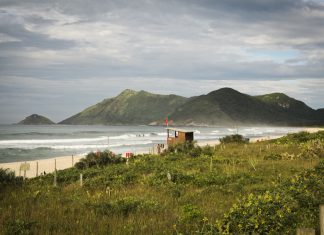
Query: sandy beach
[[44, 165], [48, 165]]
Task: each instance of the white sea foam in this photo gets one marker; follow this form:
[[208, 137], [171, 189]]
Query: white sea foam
[[80, 146], [122, 137], [52, 141], [162, 134], [100, 146]]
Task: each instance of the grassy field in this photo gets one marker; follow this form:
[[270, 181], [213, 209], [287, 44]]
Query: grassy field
[[270, 187]]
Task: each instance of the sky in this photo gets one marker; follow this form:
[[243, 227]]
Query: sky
[[58, 57]]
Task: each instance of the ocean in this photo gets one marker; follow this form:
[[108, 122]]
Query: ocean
[[28, 142]]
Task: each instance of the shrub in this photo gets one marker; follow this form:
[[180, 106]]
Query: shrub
[[207, 150], [238, 139], [187, 148], [125, 206], [81, 165], [99, 159], [300, 137], [8, 177], [268, 213], [191, 214], [18, 227], [312, 150], [290, 204]]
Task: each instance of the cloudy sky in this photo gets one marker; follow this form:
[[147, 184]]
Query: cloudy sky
[[58, 56]]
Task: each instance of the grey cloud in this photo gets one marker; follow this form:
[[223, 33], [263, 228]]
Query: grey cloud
[[27, 38], [136, 44]]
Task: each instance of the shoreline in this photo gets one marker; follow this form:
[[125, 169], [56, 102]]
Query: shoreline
[[44, 165], [64, 162]]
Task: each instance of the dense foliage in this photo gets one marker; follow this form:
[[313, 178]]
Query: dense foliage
[[8, 177], [228, 188], [301, 137], [288, 205], [99, 159], [239, 139]]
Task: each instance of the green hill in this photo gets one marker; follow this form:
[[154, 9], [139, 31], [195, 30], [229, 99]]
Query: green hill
[[287, 104], [129, 107], [221, 107], [36, 119], [227, 106]]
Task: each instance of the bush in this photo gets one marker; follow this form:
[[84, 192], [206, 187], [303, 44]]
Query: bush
[[268, 213], [8, 177], [292, 203], [191, 214], [125, 206], [99, 159], [238, 139], [273, 156], [187, 148], [312, 150], [18, 227], [301, 137], [81, 165]]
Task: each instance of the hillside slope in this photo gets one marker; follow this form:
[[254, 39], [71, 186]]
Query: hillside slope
[[129, 107], [227, 106]]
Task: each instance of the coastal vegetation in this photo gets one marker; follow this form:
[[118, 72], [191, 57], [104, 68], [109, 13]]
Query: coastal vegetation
[[268, 187]]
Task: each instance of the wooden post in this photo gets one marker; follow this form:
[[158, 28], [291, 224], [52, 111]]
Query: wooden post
[[72, 160], [55, 179], [55, 164], [305, 231], [36, 169], [81, 179], [25, 171], [322, 219], [108, 190], [211, 164]]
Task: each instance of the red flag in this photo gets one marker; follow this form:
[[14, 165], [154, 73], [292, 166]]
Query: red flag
[[166, 121]]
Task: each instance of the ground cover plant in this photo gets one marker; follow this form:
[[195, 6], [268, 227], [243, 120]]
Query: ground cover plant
[[269, 187]]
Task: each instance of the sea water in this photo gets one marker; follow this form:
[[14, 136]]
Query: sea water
[[29, 142]]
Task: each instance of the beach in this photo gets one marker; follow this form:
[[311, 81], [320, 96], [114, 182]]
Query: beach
[[44, 165], [62, 162]]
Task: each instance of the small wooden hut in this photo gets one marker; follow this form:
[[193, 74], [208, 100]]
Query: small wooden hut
[[178, 136]]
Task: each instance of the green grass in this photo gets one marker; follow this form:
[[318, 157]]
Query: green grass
[[191, 190]]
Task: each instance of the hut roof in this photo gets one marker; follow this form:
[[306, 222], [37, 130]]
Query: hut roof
[[179, 130]]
